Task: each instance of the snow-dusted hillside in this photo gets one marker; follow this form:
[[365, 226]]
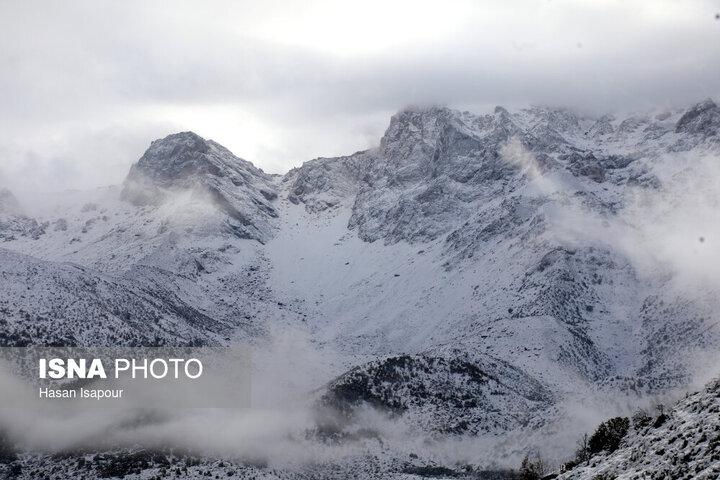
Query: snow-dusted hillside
[[684, 445], [469, 276], [450, 393], [47, 303]]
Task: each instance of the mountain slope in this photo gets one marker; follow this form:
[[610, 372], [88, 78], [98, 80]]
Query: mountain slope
[[684, 445], [45, 303]]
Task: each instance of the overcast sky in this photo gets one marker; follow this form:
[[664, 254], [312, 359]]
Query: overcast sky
[[85, 86]]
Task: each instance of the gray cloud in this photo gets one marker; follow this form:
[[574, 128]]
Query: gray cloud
[[87, 85]]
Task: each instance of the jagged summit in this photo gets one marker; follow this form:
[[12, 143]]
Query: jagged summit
[[702, 119], [187, 156], [705, 105], [429, 109], [186, 163], [416, 127]]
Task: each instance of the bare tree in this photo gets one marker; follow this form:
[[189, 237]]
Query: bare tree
[[533, 468], [582, 454]]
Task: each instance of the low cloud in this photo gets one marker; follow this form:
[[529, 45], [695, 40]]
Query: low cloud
[[280, 83]]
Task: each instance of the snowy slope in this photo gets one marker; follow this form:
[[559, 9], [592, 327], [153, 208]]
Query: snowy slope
[[686, 445], [46, 303]]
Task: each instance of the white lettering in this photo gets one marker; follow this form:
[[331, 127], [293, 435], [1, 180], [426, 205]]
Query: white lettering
[[199, 368]]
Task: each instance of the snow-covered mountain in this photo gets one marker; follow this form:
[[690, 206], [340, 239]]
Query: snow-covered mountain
[[185, 162], [478, 220], [470, 275]]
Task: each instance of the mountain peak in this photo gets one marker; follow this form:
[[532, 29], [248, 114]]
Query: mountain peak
[[702, 118], [426, 110], [560, 119], [187, 162], [176, 149], [188, 135], [500, 111], [415, 116], [706, 104], [186, 155], [415, 126]]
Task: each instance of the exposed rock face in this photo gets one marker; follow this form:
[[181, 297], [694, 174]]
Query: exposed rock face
[[13, 223], [702, 119], [430, 165], [435, 165], [323, 183], [185, 162], [601, 127]]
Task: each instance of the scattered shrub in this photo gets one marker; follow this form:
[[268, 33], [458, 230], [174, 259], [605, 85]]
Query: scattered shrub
[[608, 435], [660, 420], [533, 468], [641, 419]]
